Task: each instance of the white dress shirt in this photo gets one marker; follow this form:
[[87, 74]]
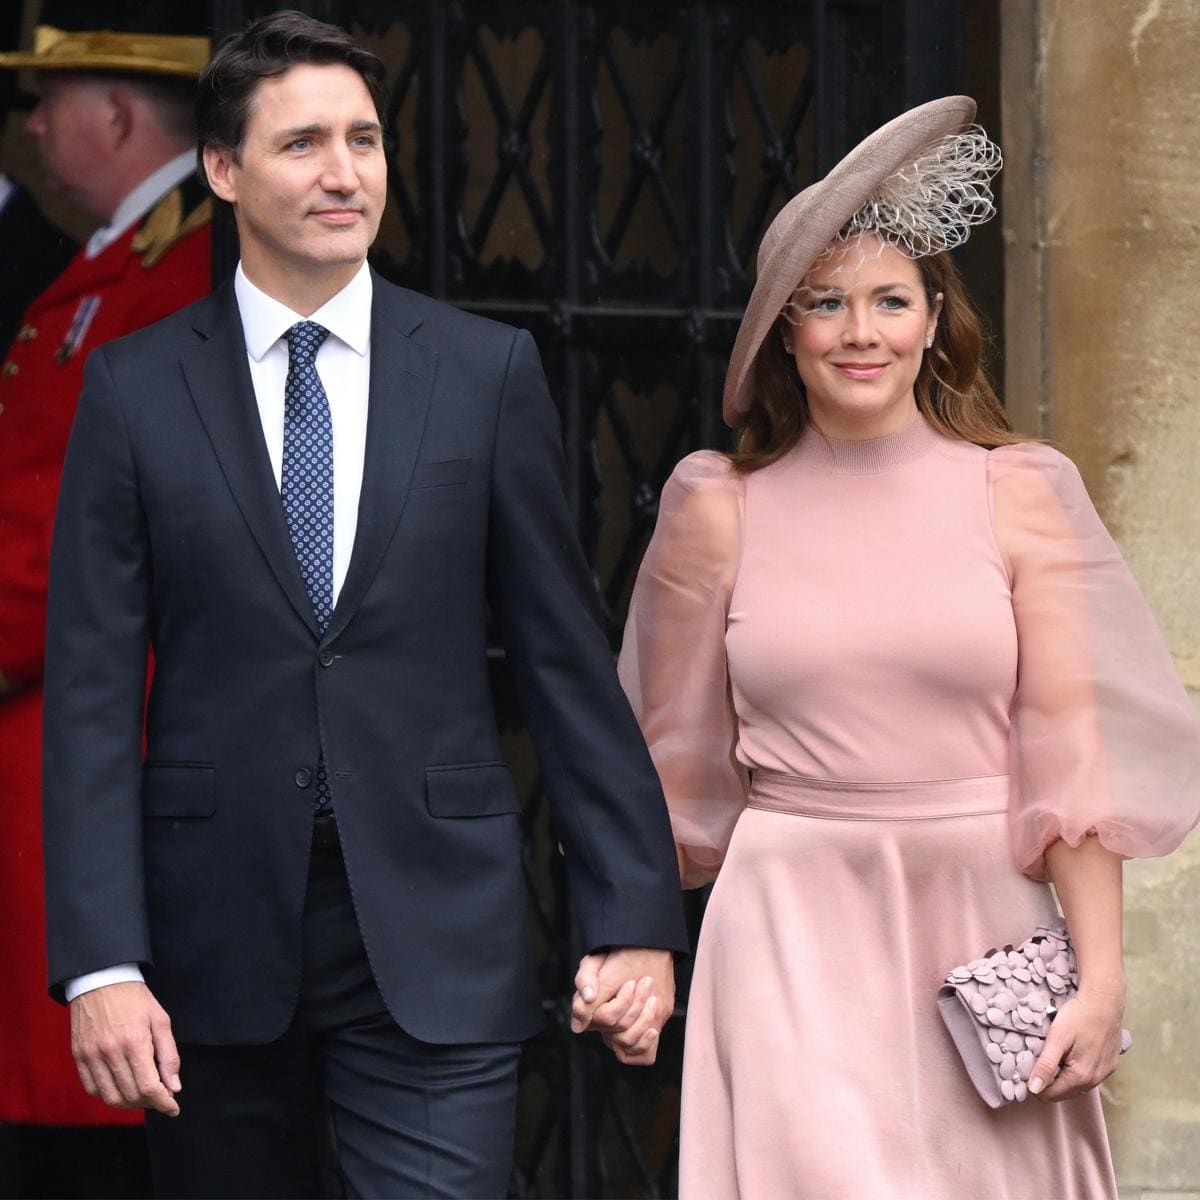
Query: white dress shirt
[[344, 365], [140, 201]]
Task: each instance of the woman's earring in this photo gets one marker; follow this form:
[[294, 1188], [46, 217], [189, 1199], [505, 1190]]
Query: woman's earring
[[929, 342]]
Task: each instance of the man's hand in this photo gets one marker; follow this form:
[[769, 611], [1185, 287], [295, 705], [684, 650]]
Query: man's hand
[[123, 1048], [627, 995]]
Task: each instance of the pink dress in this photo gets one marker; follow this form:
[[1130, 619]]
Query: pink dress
[[878, 679]]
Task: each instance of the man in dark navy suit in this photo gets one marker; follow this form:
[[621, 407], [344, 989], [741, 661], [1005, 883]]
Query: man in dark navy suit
[[304, 493]]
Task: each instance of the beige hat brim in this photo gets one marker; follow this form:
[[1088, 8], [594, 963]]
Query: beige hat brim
[[812, 219], [109, 50]]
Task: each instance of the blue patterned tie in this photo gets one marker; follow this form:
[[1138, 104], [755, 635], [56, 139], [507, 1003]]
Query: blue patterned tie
[[306, 483]]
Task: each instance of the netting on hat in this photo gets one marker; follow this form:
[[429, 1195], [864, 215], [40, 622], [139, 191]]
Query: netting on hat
[[932, 204]]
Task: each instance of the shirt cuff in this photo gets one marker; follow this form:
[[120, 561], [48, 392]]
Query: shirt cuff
[[121, 973]]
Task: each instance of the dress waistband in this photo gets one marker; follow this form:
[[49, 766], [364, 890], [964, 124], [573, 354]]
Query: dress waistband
[[831, 798]]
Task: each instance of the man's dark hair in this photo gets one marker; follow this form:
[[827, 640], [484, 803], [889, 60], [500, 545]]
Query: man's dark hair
[[266, 49]]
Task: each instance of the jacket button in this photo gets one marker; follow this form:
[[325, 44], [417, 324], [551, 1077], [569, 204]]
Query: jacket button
[[27, 333], [326, 657], [10, 369], [303, 777]]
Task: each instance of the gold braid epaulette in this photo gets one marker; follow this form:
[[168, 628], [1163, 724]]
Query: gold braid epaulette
[[167, 224]]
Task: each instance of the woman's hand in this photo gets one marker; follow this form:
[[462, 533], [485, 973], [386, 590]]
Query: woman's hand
[[1085, 1038], [1084, 1041]]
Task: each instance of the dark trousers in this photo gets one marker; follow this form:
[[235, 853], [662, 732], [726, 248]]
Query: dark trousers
[[403, 1118]]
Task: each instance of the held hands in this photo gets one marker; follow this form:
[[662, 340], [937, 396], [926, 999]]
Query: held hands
[[1084, 1041], [123, 1048], [627, 995]]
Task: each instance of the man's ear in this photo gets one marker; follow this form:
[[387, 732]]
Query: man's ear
[[218, 166], [119, 110]]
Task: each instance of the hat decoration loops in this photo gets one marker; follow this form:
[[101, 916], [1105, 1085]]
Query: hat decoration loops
[[932, 204]]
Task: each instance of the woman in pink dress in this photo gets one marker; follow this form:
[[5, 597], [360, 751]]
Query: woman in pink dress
[[895, 677]]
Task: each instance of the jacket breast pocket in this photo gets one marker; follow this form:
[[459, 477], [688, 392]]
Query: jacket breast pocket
[[447, 473], [475, 790], [178, 790]]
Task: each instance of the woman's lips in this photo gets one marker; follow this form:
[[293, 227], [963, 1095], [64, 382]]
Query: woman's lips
[[861, 371]]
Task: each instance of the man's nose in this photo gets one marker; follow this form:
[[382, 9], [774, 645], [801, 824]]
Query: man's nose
[[338, 173], [35, 123]]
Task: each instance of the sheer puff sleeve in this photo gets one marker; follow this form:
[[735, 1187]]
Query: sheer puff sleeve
[[1104, 739], [673, 665]]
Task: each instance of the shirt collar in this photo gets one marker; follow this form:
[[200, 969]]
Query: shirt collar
[[141, 200], [347, 314]]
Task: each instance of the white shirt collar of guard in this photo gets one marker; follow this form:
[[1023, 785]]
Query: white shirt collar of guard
[[141, 200]]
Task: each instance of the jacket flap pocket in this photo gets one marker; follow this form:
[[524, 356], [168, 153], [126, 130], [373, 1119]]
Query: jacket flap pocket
[[178, 790], [439, 474], [479, 790]]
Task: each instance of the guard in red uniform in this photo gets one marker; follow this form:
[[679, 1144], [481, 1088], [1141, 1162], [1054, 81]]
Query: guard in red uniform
[[114, 131]]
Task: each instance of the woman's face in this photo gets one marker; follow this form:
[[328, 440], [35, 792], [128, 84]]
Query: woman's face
[[856, 327]]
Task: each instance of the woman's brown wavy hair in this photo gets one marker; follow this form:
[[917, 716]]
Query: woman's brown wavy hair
[[952, 390]]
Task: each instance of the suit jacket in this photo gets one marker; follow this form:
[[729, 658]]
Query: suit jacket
[[170, 529]]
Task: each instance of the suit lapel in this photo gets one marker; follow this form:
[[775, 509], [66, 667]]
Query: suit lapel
[[402, 376], [218, 377]]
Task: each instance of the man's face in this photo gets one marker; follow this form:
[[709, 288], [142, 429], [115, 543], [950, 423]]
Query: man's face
[[310, 182], [72, 128]]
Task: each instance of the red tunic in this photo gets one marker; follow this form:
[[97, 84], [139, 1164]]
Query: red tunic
[[93, 301]]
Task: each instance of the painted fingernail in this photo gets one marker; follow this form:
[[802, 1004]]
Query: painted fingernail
[[1036, 1084]]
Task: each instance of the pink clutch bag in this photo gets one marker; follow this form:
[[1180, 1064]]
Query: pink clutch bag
[[998, 1010]]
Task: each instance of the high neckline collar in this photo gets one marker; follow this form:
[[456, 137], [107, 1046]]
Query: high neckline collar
[[869, 456]]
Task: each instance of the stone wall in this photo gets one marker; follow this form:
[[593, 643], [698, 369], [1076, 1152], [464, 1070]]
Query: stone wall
[[1101, 129]]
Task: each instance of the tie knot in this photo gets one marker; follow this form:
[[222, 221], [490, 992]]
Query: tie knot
[[304, 339]]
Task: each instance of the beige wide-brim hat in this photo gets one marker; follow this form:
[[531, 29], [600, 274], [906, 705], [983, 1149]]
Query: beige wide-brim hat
[[811, 219], [111, 50]]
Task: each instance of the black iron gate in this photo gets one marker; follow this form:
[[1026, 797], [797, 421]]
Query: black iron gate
[[599, 172]]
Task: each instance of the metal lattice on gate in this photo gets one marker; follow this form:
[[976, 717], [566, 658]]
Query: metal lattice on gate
[[600, 173]]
